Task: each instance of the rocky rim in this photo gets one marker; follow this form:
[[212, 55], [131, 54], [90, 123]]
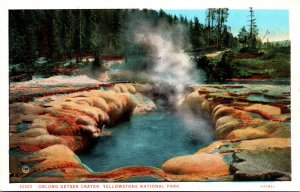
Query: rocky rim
[[253, 135]]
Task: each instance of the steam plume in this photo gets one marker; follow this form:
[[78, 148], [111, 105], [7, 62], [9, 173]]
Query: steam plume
[[169, 64]]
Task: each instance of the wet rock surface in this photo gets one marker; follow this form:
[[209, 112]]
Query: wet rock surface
[[253, 134], [262, 159], [202, 165], [45, 132], [251, 122], [235, 116], [266, 165]]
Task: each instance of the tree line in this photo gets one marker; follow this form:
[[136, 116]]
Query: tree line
[[57, 34], [61, 34]]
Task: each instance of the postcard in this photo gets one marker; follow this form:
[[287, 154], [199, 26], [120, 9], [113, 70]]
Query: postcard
[[112, 97]]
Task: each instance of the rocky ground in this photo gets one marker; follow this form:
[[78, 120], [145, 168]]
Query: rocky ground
[[252, 125], [50, 120], [47, 129]]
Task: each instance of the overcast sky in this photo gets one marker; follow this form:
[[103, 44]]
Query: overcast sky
[[275, 21]]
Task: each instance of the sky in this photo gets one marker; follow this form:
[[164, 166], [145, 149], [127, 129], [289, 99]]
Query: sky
[[275, 21]]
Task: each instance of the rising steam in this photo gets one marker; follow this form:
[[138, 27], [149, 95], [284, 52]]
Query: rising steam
[[170, 65]]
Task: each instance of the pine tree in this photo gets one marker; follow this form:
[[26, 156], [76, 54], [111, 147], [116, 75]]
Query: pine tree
[[253, 31], [208, 26]]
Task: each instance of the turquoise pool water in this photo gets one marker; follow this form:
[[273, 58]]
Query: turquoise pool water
[[147, 140]]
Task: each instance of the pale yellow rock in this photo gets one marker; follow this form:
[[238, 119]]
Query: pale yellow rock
[[266, 111], [194, 100], [114, 108], [35, 143], [217, 108], [271, 126], [27, 108], [131, 89], [263, 144], [100, 103], [38, 123], [94, 112], [108, 96], [33, 132], [222, 111], [123, 88], [206, 106], [208, 165], [116, 88], [248, 133], [223, 130], [210, 148], [53, 157], [142, 88], [83, 100], [16, 118], [223, 120], [120, 88], [255, 122], [85, 120]]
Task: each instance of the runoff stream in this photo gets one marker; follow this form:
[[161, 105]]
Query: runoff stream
[[146, 140]]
